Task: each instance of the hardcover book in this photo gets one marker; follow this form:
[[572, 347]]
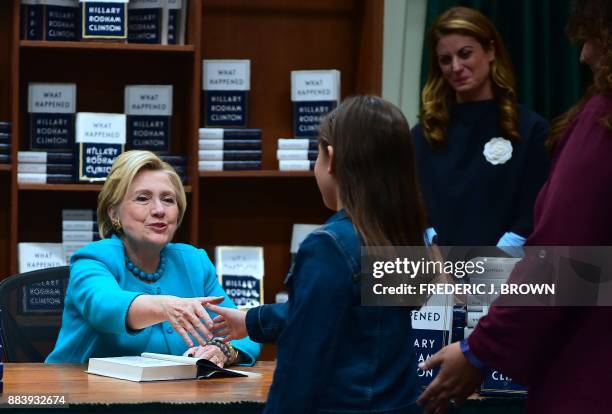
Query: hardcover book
[[229, 144], [298, 144], [100, 139], [61, 20], [44, 178], [295, 154], [40, 168], [5, 127], [225, 85], [230, 133], [229, 155], [149, 111], [160, 367], [5, 137], [314, 93], [78, 214], [103, 19], [80, 225], [295, 165], [145, 21], [228, 165], [51, 108], [31, 20], [175, 19], [43, 157], [241, 270]]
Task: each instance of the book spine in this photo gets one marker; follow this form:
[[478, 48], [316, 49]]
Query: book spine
[[174, 22], [295, 165], [62, 22], [229, 155], [307, 116], [78, 215], [174, 159], [32, 21], [282, 154], [5, 149], [45, 157], [41, 168], [51, 131], [145, 25], [76, 235], [5, 159], [225, 108], [230, 133], [5, 127], [150, 133], [298, 144], [80, 225], [229, 144], [228, 165], [35, 178]]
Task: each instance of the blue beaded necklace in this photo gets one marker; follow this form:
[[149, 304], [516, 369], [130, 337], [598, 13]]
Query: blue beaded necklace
[[141, 274]]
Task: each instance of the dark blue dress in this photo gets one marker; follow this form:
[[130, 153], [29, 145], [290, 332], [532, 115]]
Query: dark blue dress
[[472, 200]]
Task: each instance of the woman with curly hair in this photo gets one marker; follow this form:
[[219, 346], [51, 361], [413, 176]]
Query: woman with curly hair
[[480, 155], [562, 354]]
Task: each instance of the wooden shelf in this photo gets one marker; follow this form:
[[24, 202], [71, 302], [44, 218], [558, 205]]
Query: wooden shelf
[[128, 47], [68, 187], [255, 173], [5, 167]]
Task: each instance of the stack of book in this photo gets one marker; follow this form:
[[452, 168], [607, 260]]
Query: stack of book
[[79, 227], [179, 163], [44, 167], [229, 149], [297, 154], [5, 142]]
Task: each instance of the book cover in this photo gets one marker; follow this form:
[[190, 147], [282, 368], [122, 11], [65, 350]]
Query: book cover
[[230, 133], [103, 19], [44, 157], [228, 165], [159, 367], [149, 111], [240, 270], [229, 155], [61, 20], [100, 138], [145, 21], [229, 144], [498, 384], [51, 109], [31, 20], [314, 93], [176, 13], [225, 85], [432, 329]]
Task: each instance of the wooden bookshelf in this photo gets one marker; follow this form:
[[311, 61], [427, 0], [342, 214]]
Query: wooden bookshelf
[[6, 167], [226, 207], [119, 47]]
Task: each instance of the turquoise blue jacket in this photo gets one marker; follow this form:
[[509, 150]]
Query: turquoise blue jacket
[[101, 290]]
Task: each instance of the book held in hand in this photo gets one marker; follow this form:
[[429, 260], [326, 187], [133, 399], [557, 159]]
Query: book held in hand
[[160, 367]]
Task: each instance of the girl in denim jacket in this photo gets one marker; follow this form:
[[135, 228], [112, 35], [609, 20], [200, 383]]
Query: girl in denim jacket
[[335, 355]]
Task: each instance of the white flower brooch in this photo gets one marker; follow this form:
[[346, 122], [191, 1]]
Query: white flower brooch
[[498, 150]]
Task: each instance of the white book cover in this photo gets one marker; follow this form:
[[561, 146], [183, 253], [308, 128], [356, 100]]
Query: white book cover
[[315, 85], [292, 154], [293, 144], [159, 367], [299, 233], [152, 100], [36, 256], [52, 98], [226, 75], [240, 270]]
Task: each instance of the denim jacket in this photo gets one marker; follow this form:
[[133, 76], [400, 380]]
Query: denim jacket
[[335, 355]]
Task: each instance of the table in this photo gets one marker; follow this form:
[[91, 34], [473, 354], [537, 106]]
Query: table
[[88, 393]]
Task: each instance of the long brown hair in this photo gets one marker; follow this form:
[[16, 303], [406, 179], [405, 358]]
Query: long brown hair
[[438, 96], [375, 169], [591, 20]]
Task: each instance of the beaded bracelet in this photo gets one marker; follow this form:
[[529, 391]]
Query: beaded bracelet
[[228, 350]]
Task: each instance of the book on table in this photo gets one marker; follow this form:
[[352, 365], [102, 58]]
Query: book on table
[[159, 367]]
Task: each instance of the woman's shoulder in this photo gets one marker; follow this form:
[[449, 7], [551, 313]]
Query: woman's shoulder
[[185, 250], [100, 249], [599, 104]]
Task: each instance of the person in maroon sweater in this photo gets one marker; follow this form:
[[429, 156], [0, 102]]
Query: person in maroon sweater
[[562, 354]]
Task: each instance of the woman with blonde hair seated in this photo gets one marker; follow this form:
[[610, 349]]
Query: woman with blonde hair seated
[[134, 290]]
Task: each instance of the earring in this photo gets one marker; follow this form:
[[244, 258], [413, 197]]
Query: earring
[[117, 226]]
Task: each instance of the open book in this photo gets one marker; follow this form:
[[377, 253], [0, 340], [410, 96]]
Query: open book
[[158, 367]]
